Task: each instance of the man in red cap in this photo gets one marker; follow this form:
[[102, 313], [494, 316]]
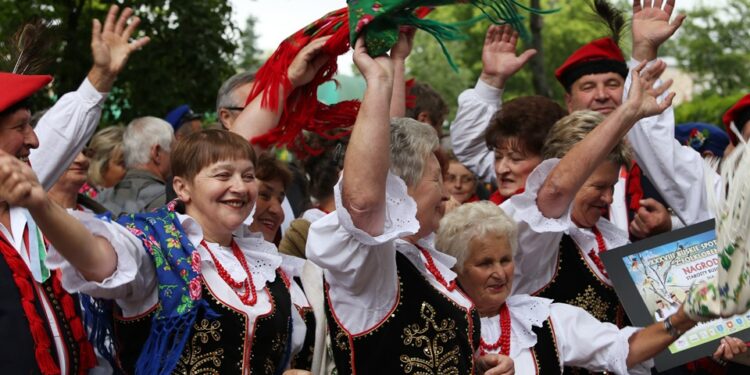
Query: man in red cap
[[35, 311], [593, 77]]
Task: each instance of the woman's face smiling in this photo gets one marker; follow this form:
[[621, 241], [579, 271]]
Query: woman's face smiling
[[487, 272], [220, 197]]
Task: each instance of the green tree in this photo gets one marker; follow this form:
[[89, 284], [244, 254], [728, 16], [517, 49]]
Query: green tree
[[714, 46], [193, 43], [561, 34], [250, 54]]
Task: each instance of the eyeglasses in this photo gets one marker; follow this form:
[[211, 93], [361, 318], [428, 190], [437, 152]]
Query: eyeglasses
[[463, 179], [235, 108]]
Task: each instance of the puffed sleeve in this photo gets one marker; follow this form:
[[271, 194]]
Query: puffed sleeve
[[132, 285], [361, 269], [538, 236], [583, 341], [475, 109], [678, 172], [64, 130]]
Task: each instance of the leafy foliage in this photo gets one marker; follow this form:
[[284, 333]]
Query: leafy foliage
[[193, 43]]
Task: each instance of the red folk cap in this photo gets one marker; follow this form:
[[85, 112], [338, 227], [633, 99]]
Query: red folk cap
[[737, 114], [598, 56], [17, 87]]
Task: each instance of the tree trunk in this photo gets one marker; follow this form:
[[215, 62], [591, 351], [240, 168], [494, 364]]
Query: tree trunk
[[538, 77]]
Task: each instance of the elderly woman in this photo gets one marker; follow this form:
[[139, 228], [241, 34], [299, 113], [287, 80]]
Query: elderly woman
[[536, 332], [561, 228], [194, 291], [392, 301], [106, 161]]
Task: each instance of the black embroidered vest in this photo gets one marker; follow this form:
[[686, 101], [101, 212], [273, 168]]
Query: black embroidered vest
[[218, 345], [427, 333], [17, 348], [303, 359], [575, 283], [545, 351]]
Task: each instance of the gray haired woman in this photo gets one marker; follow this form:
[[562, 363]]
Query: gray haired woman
[[392, 303]]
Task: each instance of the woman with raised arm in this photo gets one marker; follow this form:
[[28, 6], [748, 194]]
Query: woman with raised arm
[[561, 228], [194, 291], [391, 298]]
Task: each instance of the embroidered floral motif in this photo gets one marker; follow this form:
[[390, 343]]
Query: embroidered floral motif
[[591, 302], [431, 337], [194, 360]]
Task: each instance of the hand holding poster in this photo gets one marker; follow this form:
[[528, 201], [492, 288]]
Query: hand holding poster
[[652, 278]]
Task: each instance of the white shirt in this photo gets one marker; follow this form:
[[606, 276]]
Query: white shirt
[[361, 269], [475, 109], [539, 236], [62, 132], [133, 285], [678, 172], [580, 339]]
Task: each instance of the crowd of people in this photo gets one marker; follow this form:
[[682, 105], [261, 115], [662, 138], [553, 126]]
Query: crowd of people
[[173, 246]]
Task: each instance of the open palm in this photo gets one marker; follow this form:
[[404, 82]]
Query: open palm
[[499, 59], [651, 24], [111, 44]]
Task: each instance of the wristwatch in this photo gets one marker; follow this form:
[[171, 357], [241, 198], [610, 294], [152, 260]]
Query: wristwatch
[[670, 328]]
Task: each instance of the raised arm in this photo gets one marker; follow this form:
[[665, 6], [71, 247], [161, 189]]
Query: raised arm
[[678, 172], [579, 163], [477, 106], [255, 120], [92, 256], [399, 53], [368, 154], [64, 130]]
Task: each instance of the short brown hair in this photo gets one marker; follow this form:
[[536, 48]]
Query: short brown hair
[[201, 149], [269, 168], [528, 119], [574, 128], [426, 99]]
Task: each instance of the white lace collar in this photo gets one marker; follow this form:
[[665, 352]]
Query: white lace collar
[[443, 262], [526, 312], [262, 256]]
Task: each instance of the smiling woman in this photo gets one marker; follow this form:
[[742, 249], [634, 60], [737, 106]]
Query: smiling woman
[[536, 332], [194, 259]]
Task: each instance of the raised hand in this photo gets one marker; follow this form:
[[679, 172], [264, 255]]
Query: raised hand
[[378, 69], [308, 61], [403, 46], [18, 183], [499, 59], [111, 46], [643, 98], [651, 27]]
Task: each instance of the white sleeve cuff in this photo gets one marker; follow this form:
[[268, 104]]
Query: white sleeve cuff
[[487, 92], [400, 214], [526, 209], [133, 263]]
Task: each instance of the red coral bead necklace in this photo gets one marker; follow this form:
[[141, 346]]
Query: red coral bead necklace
[[250, 296], [503, 342]]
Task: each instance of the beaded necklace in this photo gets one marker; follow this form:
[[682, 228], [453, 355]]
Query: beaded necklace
[[250, 296], [435, 271], [503, 342], [602, 247]]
